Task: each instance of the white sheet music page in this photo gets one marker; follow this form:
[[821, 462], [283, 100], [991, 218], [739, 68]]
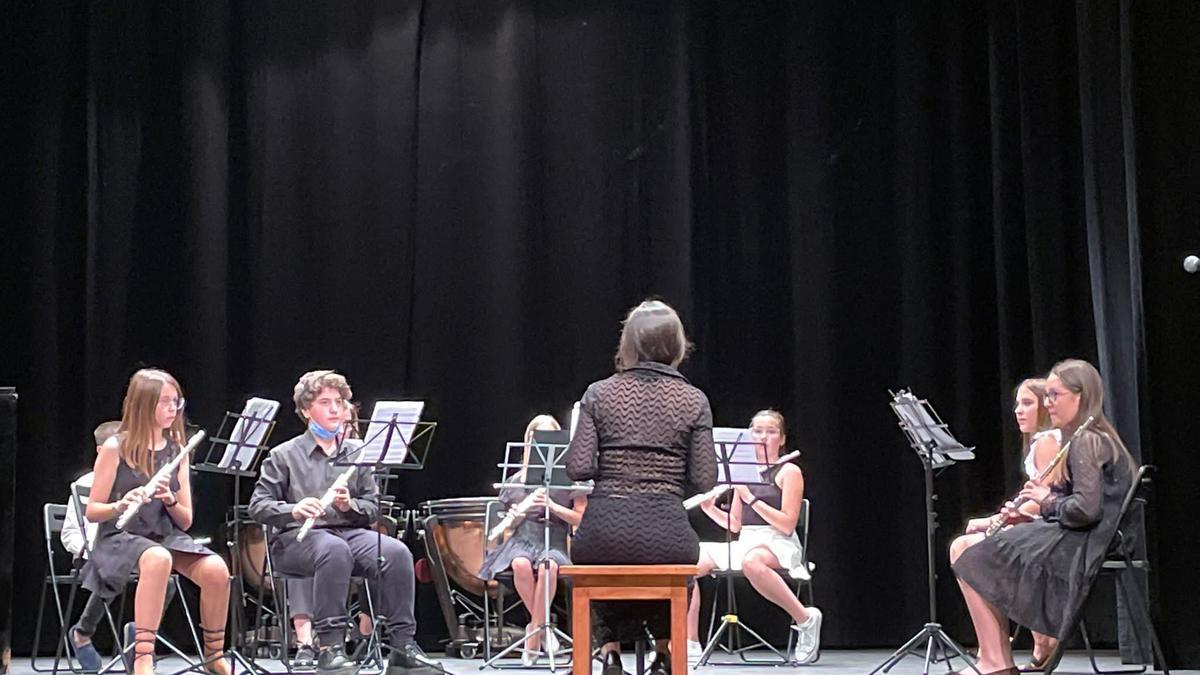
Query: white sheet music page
[[249, 431], [736, 446], [384, 436]]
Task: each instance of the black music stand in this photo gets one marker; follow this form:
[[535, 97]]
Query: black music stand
[[240, 450], [395, 438], [737, 464], [545, 470], [931, 439]]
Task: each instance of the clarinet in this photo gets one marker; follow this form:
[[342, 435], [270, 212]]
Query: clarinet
[[166, 470], [999, 524]]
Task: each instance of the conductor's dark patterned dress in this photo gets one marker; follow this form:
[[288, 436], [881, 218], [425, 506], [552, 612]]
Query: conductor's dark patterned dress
[[645, 438], [117, 551]]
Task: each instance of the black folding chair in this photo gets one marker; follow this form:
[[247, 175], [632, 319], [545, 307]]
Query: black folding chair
[[61, 571], [1120, 564]]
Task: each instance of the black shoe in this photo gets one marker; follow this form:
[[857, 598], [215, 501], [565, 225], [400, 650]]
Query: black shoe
[[612, 664], [306, 657], [410, 658], [333, 661], [89, 659]]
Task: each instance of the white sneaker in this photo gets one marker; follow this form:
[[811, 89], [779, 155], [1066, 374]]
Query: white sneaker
[[808, 638], [695, 650]]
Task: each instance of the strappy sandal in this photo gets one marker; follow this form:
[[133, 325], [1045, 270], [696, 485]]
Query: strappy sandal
[[214, 649], [140, 646], [1035, 665]]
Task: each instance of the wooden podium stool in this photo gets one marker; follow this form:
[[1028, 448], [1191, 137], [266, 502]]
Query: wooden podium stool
[[627, 582]]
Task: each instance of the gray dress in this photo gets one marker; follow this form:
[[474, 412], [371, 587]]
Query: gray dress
[[527, 541], [1038, 572], [116, 553]]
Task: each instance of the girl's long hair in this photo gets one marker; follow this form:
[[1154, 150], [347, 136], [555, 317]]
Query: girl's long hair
[[139, 433]]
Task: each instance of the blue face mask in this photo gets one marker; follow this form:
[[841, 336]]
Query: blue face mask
[[321, 432]]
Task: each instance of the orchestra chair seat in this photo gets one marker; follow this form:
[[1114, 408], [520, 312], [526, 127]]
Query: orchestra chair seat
[[627, 582]]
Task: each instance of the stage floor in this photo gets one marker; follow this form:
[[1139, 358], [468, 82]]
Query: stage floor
[[832, 662]]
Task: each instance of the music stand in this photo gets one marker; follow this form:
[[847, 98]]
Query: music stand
[[737, 464], [395, 438], [937, 448], [240, 451], [545, 470]]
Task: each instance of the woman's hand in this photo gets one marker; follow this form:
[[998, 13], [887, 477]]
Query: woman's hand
[[1012, 515], [537, 500], [744, 493], [1035, 491], [135, 496], [162, 491], [980, 524]]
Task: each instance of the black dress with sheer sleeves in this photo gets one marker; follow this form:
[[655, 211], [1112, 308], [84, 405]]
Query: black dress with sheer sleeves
[[645, 437], [1038, 572]]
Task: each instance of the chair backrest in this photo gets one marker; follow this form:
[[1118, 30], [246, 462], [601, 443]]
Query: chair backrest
[[53, 517], [802, 525], [80, 495], [492, 516], [1123, 539]]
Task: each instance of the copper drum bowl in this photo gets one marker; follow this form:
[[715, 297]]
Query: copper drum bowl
[[251, 545], [456, 528]]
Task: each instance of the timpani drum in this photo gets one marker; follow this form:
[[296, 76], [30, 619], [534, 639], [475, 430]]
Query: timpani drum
[[455, 527]]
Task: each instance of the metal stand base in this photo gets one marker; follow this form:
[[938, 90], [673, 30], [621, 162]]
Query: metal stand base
[[938, 648], [730, 623], [560, 658]]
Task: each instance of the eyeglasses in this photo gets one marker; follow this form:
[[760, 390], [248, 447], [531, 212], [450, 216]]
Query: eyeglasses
[[1053, 394], [173, 403]]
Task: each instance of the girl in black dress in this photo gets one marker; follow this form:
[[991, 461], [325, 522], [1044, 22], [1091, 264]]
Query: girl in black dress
[[1036, 572], [153, 542], [645, 437]]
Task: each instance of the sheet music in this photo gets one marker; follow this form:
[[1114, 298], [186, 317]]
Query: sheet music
[[928, 431], [249, 432], [515, 474], [376, 442], [736, 446]]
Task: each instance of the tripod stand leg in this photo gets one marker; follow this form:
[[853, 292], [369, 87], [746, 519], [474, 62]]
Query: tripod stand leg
[[712, 643], [946, 640], [761, 641], [896, 656]]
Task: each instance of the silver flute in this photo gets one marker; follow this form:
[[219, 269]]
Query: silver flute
[[326, 499], [166, 470]]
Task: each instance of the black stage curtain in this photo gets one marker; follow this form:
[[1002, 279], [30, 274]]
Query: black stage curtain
[[458, 200]]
